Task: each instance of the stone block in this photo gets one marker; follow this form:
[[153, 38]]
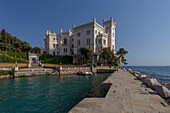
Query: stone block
[[163, 91]]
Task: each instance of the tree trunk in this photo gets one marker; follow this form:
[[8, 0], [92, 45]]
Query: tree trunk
[[117, 60]]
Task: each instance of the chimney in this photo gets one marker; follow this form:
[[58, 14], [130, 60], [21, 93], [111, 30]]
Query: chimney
[[103, 20]]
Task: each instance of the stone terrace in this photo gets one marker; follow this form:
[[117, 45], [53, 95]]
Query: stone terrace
[[126, 95]]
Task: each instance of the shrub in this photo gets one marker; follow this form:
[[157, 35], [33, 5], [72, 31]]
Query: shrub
[[7, 59], [18, 55], [56, 59], [95, 64], [5, 72]]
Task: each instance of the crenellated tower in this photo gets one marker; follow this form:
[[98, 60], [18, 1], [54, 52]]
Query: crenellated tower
[[110, 26]]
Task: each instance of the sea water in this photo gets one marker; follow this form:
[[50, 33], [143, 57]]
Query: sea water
[[46, 93], [160, 72]]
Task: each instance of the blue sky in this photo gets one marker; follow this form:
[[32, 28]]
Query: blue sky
[[143, 26]]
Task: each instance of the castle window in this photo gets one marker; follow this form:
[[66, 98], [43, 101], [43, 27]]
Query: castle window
[[53, 45], [53, 38], [88, 32], [107, 28], [113, 34], [56, 45], [104, 41], [65, 50], [72, 46], [78, 42], [54, 53], [65, 41], [88, 41], [95, 31], [100, 41], [78, 34]]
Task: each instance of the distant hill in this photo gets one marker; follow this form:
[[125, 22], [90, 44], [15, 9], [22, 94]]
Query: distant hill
[[11, 43]]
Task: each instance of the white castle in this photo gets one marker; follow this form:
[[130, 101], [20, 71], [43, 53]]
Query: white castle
[[92, 35]]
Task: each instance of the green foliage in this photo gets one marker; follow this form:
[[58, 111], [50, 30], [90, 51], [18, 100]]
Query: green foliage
[[121, 53], [115, 62], [5, 72], [36, 50], [95, 64], [7, 59], [86, 53], [12, 57], [18, 55], [108, 55], [56, 59], [11, 43]]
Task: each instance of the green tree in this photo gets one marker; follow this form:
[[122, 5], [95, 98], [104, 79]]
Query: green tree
[[11, 43], [86, 54], [36, 50], [108, 55], [121, 55], [4, 36]]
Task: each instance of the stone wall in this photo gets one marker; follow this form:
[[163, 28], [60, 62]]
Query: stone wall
[[73, 70], [13, 64]]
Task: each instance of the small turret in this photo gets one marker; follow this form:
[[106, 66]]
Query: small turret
[[73, 25], [111, 18], [47, 32], [61, 31], [94, 19]]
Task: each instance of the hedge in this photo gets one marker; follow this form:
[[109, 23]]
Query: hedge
[[5, 72]]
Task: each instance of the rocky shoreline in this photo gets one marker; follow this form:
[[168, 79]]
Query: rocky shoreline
[[162, 88], [128, 93]]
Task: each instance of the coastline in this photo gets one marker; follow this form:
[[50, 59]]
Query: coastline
[[162, 88], [126, 94]]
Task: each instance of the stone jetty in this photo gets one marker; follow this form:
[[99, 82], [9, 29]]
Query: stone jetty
[[127, 94]]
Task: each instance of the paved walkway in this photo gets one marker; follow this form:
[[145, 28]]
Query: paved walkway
[[126, 95]]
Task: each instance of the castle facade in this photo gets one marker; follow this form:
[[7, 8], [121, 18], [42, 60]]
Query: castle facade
[[92, 35]]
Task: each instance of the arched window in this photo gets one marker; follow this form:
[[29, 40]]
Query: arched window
[[65, 41]]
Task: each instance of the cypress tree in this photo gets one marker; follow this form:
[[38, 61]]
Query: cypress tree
[[4, 36]]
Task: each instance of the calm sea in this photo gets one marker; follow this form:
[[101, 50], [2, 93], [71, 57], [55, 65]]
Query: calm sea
[[46, 94], [160, 72]]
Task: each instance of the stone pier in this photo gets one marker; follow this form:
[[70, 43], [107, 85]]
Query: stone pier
[[126, 95]]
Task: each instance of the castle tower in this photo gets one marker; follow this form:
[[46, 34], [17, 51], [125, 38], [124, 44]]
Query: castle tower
[[110, 26]]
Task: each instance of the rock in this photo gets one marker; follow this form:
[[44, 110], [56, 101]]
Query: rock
[[167, 85], [144, 80], [136, 75], [152, 82], [142, 76], [163, 91], [167, 101], [130, 71], [137, 72]]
